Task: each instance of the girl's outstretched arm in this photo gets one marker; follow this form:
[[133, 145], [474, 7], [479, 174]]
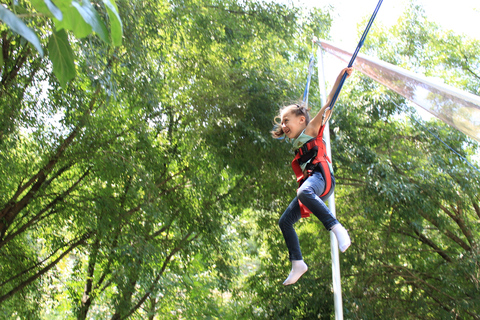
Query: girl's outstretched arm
[[324, 115]]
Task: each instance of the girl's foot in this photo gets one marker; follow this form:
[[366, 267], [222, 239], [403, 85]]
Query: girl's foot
[[298, 269], [342, 237]]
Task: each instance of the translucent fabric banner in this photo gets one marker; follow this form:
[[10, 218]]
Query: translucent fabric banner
[[458, 108]]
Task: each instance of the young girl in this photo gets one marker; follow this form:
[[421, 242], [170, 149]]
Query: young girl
[[296, 125]]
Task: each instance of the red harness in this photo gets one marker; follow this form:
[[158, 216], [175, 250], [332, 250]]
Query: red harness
[[316, 150]]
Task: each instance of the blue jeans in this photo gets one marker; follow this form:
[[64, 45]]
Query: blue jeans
[[308, 193]]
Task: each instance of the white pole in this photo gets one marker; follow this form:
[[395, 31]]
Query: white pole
[[337, 286]]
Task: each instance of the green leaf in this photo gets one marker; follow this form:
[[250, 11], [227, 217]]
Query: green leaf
[[72, 20], [116, 27], [17, 25], [62, 57], [91, 16], [19, 9], [48, 8]]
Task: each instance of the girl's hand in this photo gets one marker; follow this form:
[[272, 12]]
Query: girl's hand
[[324, 115], [349, 72]]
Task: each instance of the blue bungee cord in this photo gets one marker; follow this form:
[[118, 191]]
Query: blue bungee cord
[[309, 77], [354, 56]]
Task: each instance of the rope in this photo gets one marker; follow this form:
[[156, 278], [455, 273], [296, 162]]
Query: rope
[[307, 85], [309, 77], [354, 56]]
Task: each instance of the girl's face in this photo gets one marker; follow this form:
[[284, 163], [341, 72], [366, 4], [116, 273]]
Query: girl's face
[[293, 125]]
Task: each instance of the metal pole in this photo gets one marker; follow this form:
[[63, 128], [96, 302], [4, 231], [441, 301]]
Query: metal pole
[[337, 286]]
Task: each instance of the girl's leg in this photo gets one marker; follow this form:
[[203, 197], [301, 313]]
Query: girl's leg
[[309, 193], [286, 222]]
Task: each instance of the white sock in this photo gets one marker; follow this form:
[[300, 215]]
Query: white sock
[[298, 269], [342, 237]]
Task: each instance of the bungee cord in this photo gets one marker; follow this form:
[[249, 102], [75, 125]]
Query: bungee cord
[[354, 56]]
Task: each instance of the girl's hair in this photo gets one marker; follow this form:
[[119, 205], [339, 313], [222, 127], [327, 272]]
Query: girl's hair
[[298, 109]]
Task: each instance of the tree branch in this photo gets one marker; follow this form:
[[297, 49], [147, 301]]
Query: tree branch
[[88, 297], [40, 215], [44, 270], [456, 216], [12, 208], [431, 244], [162, 270], [446, 232]]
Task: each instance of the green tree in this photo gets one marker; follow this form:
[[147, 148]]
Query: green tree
[[410, 204], [118, 190]]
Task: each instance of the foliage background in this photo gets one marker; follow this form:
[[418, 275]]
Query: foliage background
[[147, 185]]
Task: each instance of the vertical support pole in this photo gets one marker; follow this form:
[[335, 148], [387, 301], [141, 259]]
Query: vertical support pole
[[337, 286]]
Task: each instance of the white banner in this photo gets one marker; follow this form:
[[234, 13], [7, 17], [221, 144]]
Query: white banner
[[458, 108]]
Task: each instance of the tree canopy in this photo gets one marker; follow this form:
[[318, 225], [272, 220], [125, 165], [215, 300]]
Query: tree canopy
[[139, 179]]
